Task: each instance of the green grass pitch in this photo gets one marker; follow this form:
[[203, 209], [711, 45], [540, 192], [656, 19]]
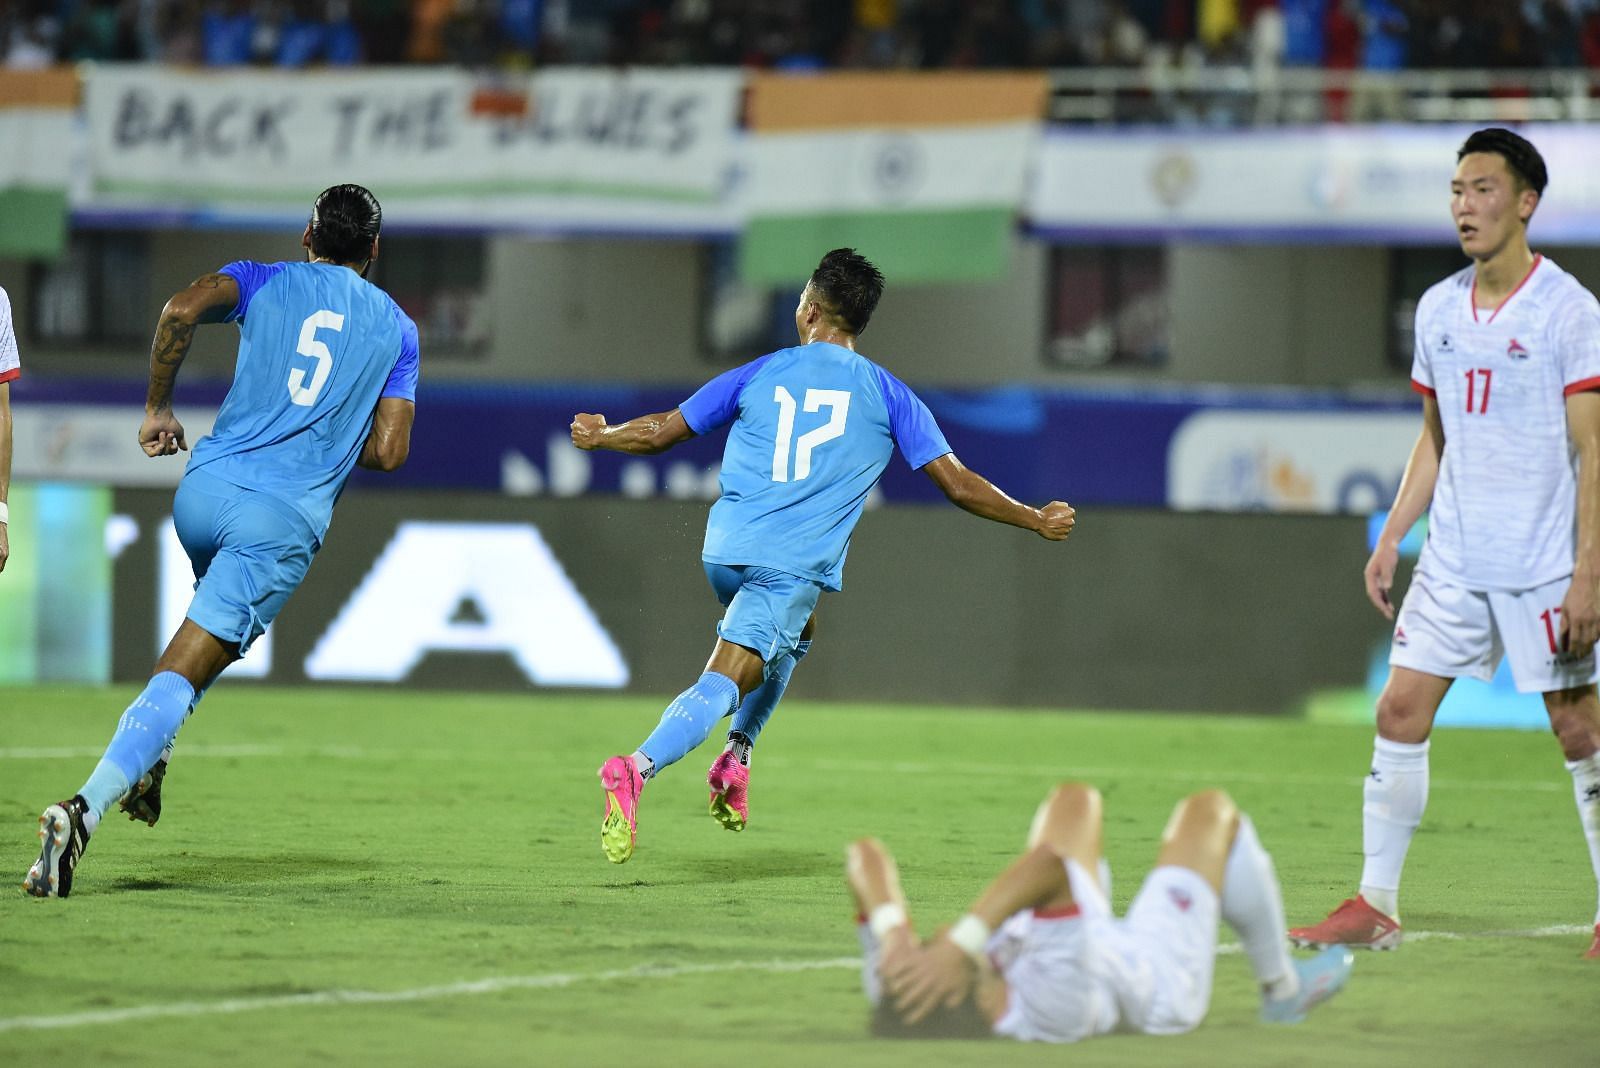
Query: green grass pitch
[[349, 876]]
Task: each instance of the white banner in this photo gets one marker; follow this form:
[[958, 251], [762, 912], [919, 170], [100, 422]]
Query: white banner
[[97, 443], [1358, 183], [1289, 461], [570, 149]]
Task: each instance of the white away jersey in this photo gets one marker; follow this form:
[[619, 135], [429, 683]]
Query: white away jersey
[[10, 362], [1504, 510]]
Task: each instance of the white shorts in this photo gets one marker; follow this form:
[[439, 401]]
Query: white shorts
[[1074, 976], [1455, 633]]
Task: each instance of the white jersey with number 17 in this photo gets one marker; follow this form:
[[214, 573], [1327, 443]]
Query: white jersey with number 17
[[1504, 512]]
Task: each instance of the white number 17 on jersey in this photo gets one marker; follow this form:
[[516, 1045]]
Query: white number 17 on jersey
[[838, 403]]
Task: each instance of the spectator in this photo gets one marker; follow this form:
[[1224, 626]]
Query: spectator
[[177, 34], [1219, 23], [97, 31], [1127, 43], [1557, 30], [381, 27], [1304, 33], [1390, 35], [428, 21], [227, 33], [342, 45], [33, 34], [1342, 38], [302, 36], [1383, 53]]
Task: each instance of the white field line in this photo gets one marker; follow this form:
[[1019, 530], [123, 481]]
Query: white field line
[[318, 998], [853, 767], [554, 980], [86, 753], [1208, 776]]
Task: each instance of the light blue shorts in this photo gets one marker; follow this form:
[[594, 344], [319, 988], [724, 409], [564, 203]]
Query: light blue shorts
[[249, 550], [766, 609]]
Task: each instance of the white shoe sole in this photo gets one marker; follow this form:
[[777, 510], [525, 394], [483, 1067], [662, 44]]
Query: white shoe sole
[[55, 830]]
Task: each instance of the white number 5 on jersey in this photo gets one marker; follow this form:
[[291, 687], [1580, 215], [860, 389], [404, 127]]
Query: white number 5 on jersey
[[837, 401], [299, 392]]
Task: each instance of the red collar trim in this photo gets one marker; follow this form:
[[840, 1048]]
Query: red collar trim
[[1538, 259]]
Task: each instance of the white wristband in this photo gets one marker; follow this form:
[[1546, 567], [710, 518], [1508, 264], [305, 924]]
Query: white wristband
[[970, 935], [886, 918], [5, 513]]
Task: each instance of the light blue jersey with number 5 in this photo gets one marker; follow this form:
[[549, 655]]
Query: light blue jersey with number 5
[[318, 346], [813, 429]]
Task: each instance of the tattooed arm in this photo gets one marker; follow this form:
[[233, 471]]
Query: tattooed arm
[[208, 299]]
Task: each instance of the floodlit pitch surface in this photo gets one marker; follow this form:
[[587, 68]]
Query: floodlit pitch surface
[[348, 876]]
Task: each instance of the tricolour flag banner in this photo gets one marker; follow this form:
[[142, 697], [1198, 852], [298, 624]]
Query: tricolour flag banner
[[37, 111], [921, 173]]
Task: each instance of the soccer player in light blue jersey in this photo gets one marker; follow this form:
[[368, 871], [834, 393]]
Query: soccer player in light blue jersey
[[812, 429], [326, 379]]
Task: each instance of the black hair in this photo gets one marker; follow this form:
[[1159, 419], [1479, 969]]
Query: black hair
[[849, 286], [345, 219], [1527, 166], [966, 1020]]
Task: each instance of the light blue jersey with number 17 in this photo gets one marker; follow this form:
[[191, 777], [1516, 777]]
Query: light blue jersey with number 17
[[813, 429], [318, 346]]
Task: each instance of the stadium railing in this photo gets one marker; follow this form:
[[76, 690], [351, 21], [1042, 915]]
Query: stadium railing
[[1171, 93]]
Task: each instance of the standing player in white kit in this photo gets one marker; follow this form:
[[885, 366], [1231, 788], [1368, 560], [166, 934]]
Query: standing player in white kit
[[1508, 467]]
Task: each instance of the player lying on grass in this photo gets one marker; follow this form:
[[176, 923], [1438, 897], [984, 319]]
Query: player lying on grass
[[326, 379], [1040, 956], [813, 428]]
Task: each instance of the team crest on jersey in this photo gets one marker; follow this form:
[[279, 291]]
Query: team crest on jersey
[[1445, 344], [1516, 350]]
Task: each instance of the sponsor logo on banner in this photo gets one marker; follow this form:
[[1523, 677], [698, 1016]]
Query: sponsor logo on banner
[[436, 587], [1329, 462]]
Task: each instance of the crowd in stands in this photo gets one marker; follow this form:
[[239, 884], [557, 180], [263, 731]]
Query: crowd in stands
[[805, 34]]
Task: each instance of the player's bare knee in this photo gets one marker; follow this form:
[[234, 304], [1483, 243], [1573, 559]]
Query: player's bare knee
[[1067, 807], [1068, 822], [1575, 731], [1400, 717], [1074, 796], [1204, 813], [1575, 720]]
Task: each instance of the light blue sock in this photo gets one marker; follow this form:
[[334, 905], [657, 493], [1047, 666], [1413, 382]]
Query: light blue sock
[[760, 702], [194, 703], [689, 718], [142, 733]]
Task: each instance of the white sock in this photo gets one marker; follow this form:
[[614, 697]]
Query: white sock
[[646, 766], [740, 746], [1252, 904], [1586, 789], [1394, 797]]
